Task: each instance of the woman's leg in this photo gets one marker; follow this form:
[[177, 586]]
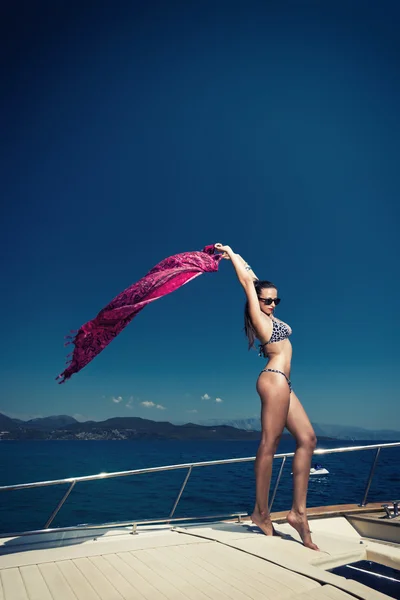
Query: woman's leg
[[274, 394], [300, 427]]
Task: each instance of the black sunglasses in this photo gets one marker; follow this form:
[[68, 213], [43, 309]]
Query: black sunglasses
[[269, 301]]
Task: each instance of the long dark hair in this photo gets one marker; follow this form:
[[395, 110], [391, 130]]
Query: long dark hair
[[249, 330]]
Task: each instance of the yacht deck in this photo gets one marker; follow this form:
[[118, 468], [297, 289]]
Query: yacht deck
[[207, 561]]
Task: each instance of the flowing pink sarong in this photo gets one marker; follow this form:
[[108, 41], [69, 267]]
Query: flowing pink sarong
[[166, 277]]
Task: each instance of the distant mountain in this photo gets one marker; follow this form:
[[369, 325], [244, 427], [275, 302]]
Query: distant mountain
[[46, 423], [136, 423], [342, 432], [136, 427], [350, 432], [66, 427], [7, 424], [250, 424], [63, 427]]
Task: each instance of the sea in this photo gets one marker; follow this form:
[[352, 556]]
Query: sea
[[213, 490]]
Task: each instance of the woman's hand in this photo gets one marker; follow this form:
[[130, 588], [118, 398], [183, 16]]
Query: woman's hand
[[224, 249], [244, 272]]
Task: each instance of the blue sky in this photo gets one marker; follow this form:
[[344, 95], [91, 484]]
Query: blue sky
[[131, 132]]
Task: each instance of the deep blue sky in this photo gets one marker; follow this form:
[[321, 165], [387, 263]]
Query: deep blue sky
[[133, 131]]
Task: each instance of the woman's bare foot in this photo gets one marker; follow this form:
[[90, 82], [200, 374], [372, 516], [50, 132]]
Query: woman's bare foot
[[263, 521], [300, 524]]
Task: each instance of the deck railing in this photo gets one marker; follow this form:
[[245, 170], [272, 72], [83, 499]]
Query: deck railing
[[72, 481]]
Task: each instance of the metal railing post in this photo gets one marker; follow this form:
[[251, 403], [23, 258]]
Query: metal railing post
[[59, 505], [171, 514], [277, 483], [371, 473]]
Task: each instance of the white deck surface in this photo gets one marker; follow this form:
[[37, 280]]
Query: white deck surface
[[213, 561]]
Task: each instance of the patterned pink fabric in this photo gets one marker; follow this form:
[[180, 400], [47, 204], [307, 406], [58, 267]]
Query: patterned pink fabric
[[169, 275]]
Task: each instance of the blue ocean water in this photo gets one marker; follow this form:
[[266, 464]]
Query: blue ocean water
[[210, 490]]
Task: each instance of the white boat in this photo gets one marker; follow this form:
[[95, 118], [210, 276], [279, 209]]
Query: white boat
[[219, 557], [318, 470]]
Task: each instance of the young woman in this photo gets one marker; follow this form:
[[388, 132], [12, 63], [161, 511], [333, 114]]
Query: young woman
[[280, 406]]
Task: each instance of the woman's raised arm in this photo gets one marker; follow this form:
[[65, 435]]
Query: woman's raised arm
[[247, 277]]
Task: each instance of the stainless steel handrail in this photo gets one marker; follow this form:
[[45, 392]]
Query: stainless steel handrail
[[190, 466], [207, 463]]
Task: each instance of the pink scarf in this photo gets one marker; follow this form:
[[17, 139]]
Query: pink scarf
[[166, 277]]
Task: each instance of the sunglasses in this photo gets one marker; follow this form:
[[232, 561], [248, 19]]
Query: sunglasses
[[269, 301]]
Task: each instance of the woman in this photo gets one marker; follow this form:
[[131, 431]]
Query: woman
[[280, 406]]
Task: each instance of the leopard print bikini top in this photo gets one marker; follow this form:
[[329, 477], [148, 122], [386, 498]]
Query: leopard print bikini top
[[280, 331]]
